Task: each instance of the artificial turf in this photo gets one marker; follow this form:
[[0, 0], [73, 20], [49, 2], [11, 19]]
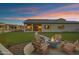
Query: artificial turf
[[11, 38]]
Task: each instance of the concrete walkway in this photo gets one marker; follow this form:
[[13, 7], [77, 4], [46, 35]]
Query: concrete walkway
[[4, 51], [51, 52], [28, 49], [56, 52]]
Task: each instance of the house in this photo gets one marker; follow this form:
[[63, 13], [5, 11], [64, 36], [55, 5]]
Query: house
[[10, 27], [49, 25]]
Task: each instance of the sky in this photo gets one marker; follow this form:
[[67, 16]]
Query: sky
[[16, 13]]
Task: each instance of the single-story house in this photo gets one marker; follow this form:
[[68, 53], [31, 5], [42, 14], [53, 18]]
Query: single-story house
[[10, 27], [50, 25]]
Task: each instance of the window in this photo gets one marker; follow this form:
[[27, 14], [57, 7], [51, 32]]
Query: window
[[29, 27], [39, 27], [61, 27], [46, 26], [12, 27], [0, 26]]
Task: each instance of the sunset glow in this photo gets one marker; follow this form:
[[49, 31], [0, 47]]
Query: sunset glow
[[17, 13]]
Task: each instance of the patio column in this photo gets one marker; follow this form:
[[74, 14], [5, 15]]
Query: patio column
[[7, 27], [42, 27], [32, 27], [24, 28]]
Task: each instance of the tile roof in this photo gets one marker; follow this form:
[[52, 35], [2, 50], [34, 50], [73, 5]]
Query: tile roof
[[49, 21]]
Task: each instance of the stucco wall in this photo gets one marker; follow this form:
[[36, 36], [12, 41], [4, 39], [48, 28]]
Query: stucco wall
[[72, 27], [67, 27]]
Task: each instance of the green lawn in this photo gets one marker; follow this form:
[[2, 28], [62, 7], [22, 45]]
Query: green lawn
[[70, 36], [12, 38]]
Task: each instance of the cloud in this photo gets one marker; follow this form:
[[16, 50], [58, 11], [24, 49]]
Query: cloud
[[72, 7], [68, 12], [8, 18], [25, 10], [17, 18], [66, 15]]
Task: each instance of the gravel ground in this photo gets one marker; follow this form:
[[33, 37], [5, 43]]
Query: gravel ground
[[52, 51], [18, 48]]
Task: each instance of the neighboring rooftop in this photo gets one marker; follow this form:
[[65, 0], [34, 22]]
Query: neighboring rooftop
[[9, 24], [49, 21]]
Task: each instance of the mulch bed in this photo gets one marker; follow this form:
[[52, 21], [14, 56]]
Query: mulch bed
[[18, 48]]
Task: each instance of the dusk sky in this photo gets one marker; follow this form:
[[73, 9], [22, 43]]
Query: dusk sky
[[17, 13]]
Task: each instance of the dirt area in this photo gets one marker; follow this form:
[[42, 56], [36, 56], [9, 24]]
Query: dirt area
[[56, 52], [52, 51], [18, 48]]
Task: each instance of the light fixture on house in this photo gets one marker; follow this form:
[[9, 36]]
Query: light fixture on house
[[28, 27], [39, 27]]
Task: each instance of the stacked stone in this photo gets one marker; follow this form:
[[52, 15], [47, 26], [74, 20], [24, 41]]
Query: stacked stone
[[40, 45], [68, 47]]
